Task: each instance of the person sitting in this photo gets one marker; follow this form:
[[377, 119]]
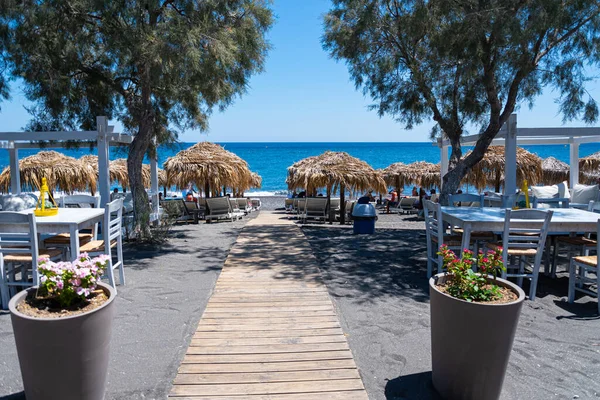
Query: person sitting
[[302, 194], [370, 196], [114, 194], [392, 201], [415, 192]]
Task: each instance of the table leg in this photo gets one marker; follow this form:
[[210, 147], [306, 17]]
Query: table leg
[[74, 232], [466, 237]]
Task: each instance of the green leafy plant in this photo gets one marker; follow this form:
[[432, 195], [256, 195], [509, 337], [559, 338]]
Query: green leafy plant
[[464, 283]]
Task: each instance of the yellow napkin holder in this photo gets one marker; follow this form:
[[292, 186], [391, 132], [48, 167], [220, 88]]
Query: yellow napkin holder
[[46, 206]]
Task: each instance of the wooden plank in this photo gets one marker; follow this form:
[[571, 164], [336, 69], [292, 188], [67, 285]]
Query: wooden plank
[[267, 341], [267, 321], [265, 377], [269, 334], [272, 349], [288, 307], [217, 298], [267, 304], [337, 395], [272, 327], [267, 388], [273, 314], [272, 291], [259, 358], [266, 366]]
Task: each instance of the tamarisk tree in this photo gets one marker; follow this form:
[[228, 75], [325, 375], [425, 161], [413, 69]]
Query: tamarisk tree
[[466, 63], [158, 66]]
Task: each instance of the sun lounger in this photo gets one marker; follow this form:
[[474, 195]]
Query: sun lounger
[[191, 209], [218, 208], [289, 205], [334, 209], [315, 208], [243, 205], [235, 209], [299, 206], [255, 204], [406, 205]]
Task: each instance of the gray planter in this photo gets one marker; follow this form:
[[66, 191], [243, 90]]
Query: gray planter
[[471, 343], [64, 358]]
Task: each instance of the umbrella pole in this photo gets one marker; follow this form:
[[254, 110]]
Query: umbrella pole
[[342, 204], [206, 190], [329, 202]]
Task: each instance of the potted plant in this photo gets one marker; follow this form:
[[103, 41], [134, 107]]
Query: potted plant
[[62, 330], [474, 318]]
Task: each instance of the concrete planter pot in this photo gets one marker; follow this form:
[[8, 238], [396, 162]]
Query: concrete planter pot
[[64, 358], [471, 343]]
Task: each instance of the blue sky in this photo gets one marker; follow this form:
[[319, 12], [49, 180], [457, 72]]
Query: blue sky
[[304, 96]]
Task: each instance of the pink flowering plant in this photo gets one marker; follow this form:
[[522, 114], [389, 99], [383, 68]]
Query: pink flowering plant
[[468, 285], [70, 282]]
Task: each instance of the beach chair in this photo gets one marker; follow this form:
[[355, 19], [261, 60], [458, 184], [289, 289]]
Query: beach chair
[[218, 208], [289, 205], [466, 200], [523, 247], [235, 209], [348, 210], [315, 208], [192, 210], [579, 268], [406, 205], [300, 207], [243, 205], [334, 209], [255, 204], [19, 254]]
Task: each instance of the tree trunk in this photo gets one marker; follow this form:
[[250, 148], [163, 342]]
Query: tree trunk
[[141, 205], [342, 205]]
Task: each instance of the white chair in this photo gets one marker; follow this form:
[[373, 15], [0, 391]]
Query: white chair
[[217, 208], [63, 240], [315, 208], [436, 236], [520, 245], [112, 237], [19, 253], [578, 270]]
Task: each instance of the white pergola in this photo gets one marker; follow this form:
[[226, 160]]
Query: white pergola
[[104, 136], [510, 137]]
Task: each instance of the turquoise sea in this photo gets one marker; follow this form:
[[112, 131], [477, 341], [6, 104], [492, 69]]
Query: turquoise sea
[[271, 160]]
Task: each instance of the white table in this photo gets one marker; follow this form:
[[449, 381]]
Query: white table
[[492, 219], [69, 220]]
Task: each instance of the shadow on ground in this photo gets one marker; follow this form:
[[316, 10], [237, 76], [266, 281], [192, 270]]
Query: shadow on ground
[[413, 386]]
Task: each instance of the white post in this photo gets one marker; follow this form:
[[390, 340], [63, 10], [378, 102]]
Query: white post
[[103, 161], [15, 175], [574, 161], [510, 156], [154, 184], [444, 162]]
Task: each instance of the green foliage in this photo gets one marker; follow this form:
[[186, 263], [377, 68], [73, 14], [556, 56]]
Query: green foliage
[[464, 283], [467, 62], [84, 58]]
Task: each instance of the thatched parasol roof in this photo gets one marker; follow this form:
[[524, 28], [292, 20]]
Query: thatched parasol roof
[[590, 164], [255, 180], [207, 163], [554, 171], [490, 170], [62, 172], [332, 169], [118, 171], [419, 173]]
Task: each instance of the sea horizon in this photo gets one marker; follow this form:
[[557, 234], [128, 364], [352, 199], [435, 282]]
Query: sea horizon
[[271, 159]]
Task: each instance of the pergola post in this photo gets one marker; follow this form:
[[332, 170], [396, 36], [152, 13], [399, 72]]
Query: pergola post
[[15, 176], [510, 156], [444, 162], [574, 164], [103, 161]]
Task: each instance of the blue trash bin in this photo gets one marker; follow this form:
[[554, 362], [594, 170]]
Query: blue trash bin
[[364, 217]]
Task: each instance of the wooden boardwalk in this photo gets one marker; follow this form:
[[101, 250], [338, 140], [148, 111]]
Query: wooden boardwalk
[[269, 330]]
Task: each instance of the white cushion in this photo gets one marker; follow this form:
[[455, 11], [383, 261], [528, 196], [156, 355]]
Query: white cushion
[[583, 194], [563, 190], [18, 202], [545, 192]]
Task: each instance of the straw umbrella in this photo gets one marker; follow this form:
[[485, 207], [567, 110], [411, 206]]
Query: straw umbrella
[[419, 173], [62, 172], [207, 165], [554, 171], [332, 170], [490, 170], [117, 171]]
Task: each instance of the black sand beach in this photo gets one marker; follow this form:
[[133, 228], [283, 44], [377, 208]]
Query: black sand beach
[[378, 285]]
